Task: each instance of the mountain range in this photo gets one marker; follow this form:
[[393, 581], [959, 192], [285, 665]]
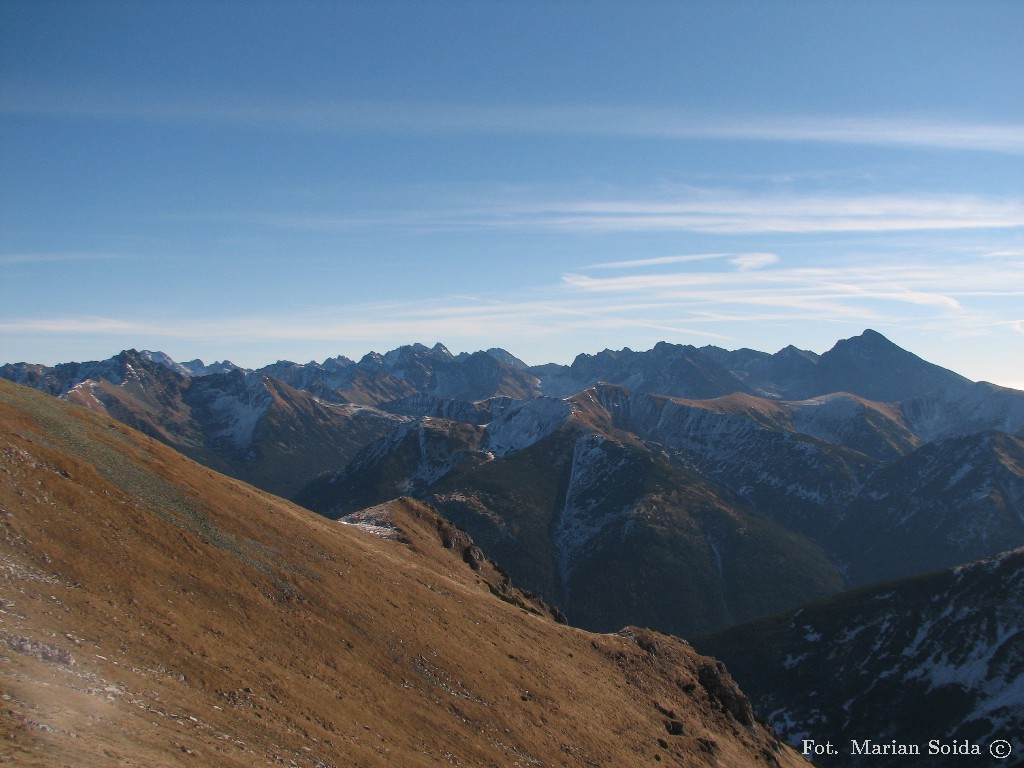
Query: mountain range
[[684, 488]]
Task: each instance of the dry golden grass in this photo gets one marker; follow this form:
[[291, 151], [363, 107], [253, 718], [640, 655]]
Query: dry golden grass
[[154, 613]]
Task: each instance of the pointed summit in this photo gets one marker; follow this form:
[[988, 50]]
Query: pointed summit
[[440, 350], [872, 366], [506, 358]]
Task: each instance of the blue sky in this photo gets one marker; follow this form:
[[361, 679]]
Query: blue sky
[[264, 181]]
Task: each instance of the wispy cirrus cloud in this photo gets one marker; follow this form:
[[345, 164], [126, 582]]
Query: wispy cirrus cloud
[[741, 260], [465, 322], [746, 261], [848, 290], [658, 261], [717, 211], [730, 212], [75, 325], [583, 119], [701, 303]]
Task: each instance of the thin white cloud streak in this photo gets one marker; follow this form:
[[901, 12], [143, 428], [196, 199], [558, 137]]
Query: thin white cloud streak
[[622, 121], [1004, 253], [954, 297], [898, 131], [846, 292], [658, 261], [84, 325], [679, 303], [747, 261], [462, 318], [723, 213], [704, 211]]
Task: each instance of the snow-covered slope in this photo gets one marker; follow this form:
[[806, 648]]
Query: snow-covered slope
[[878, 430], [938, 657], [949, 502], [594, 503], [405, 461], [479, 412], [965, 410], [231, 405], [746, 444], [522, 426]]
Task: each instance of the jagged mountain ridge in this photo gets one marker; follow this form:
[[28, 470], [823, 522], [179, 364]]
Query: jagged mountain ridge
[[668, 369], [931, 402], [156, 613], [868, 367], [933, 657], [409, 371], [244, 423]]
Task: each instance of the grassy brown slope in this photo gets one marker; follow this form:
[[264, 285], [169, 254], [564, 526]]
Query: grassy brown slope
[[154, 613]]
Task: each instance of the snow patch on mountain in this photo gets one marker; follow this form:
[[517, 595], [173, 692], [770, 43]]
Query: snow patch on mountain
[[86, 393], [716, 552], [161, 358], [949, 644], [374, 520], [525, 425], [965, 410], [587, 511], [191, 368], [237, 408], [435, 461], [419, 453]]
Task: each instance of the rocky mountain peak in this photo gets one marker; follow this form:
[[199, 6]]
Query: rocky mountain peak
[[872, 366]]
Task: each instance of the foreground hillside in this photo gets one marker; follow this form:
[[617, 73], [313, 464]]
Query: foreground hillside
[[155, 613], [933, 658]]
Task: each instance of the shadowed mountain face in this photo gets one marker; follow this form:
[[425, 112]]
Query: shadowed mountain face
[[156, 613], [951, 502], [667, 369], [874, 368], [937, 657], [869, 366], [591, 518]]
